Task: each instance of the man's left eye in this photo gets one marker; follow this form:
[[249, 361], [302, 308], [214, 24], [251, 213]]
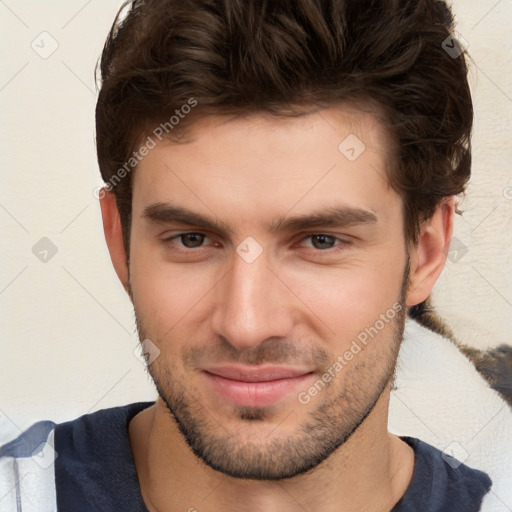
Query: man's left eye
[[323, 242]]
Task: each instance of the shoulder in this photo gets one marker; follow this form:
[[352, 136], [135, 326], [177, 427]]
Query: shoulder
[[52, 466], [102, 430], [442, 483], [95, 467], [27, 470], [440, 398]]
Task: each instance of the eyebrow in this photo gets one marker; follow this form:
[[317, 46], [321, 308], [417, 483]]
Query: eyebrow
[[341, 216]]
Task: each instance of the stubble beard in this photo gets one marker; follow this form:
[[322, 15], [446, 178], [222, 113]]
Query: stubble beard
[[332, 420]]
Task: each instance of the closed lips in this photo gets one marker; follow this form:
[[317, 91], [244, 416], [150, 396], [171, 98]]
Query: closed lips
[[265, 374]]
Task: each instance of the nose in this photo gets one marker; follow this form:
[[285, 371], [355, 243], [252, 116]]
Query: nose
[[253, 304]]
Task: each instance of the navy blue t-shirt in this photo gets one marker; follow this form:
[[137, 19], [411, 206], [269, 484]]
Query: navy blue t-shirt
[[95, 471]]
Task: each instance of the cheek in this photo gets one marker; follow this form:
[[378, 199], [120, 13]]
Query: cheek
[[165, 293], [347, 300]]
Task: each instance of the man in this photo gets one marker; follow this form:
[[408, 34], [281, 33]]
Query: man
[[281, 178]]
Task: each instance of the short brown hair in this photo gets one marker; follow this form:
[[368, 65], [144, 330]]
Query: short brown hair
[[244, 56]]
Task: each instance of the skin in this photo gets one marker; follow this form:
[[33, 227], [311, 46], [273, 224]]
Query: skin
[[299, 303]]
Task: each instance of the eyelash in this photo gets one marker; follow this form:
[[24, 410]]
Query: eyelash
[[337, 248]]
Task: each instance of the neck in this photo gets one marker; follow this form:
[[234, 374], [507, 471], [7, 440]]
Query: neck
[[369, 472]]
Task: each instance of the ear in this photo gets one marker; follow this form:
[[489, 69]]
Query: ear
[[428, 256], [114, 236]]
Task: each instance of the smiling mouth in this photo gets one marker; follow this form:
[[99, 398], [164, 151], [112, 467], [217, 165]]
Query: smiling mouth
[[255, 387]]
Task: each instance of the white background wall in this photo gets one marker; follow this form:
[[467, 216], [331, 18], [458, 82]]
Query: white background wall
[[67, 327]]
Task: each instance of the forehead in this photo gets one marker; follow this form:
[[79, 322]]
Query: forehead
[[263, 163], [368, 122]]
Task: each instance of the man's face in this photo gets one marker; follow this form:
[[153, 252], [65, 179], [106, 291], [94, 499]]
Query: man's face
[[255, 326]]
